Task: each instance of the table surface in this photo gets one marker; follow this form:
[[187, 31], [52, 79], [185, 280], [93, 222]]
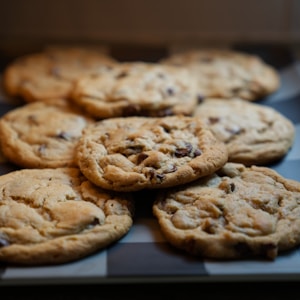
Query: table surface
[[143, 258]]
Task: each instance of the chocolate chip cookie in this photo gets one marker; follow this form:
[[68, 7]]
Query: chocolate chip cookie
[[226, 73], [137, 88], [253, 133], [53, 216], [52, 72], [42, 135], [238, 212], [135, 153]]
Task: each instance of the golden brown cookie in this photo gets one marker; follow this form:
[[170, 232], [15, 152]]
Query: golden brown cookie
[[135, 153], [51, 73], [52, 216], [42, 135], [238, 212], [253, 133], [227, 73], [137, 88]]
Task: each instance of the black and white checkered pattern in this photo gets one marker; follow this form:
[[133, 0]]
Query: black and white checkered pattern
[[143, 255]]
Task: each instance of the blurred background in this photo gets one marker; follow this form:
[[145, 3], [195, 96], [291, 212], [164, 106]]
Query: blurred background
[[155, 22]]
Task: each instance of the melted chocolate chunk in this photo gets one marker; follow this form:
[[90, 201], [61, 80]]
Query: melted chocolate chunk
[[181, 152]]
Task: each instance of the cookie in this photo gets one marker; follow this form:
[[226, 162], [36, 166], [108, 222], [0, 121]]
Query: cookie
[[238, 212], [52, 216], [137, 89], [227, 73], [136, 153], [51, 73], [42, 135], [253, 133]]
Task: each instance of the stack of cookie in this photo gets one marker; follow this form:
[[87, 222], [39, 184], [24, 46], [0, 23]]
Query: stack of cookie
[[92, 131]]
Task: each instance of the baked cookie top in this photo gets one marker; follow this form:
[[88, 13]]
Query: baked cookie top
[[41, 135], [51, 72], [135, 153], [226, 73], [137, 88], [254, 133], [52, 216], [238, 212]]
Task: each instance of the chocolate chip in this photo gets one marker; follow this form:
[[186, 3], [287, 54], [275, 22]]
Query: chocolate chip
[[197, 152], [232, 187], [172, 169], [213, 120], [160, 177], [157, 176], [170, 91], [121, 75], [227, 187], [200, 98], [181, 152]]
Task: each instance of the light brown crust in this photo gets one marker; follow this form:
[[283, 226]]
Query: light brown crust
[[52, 216], [253, 133], [42, 135], [226, 73], [137, 88], [135, 153], [238, 212]]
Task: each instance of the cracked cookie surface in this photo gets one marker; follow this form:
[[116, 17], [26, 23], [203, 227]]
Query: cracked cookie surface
[[238, 212], [226, 73], [253, 133], [41, 135], [135, 153], [51, 216], [51, 73], [137, 88]]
